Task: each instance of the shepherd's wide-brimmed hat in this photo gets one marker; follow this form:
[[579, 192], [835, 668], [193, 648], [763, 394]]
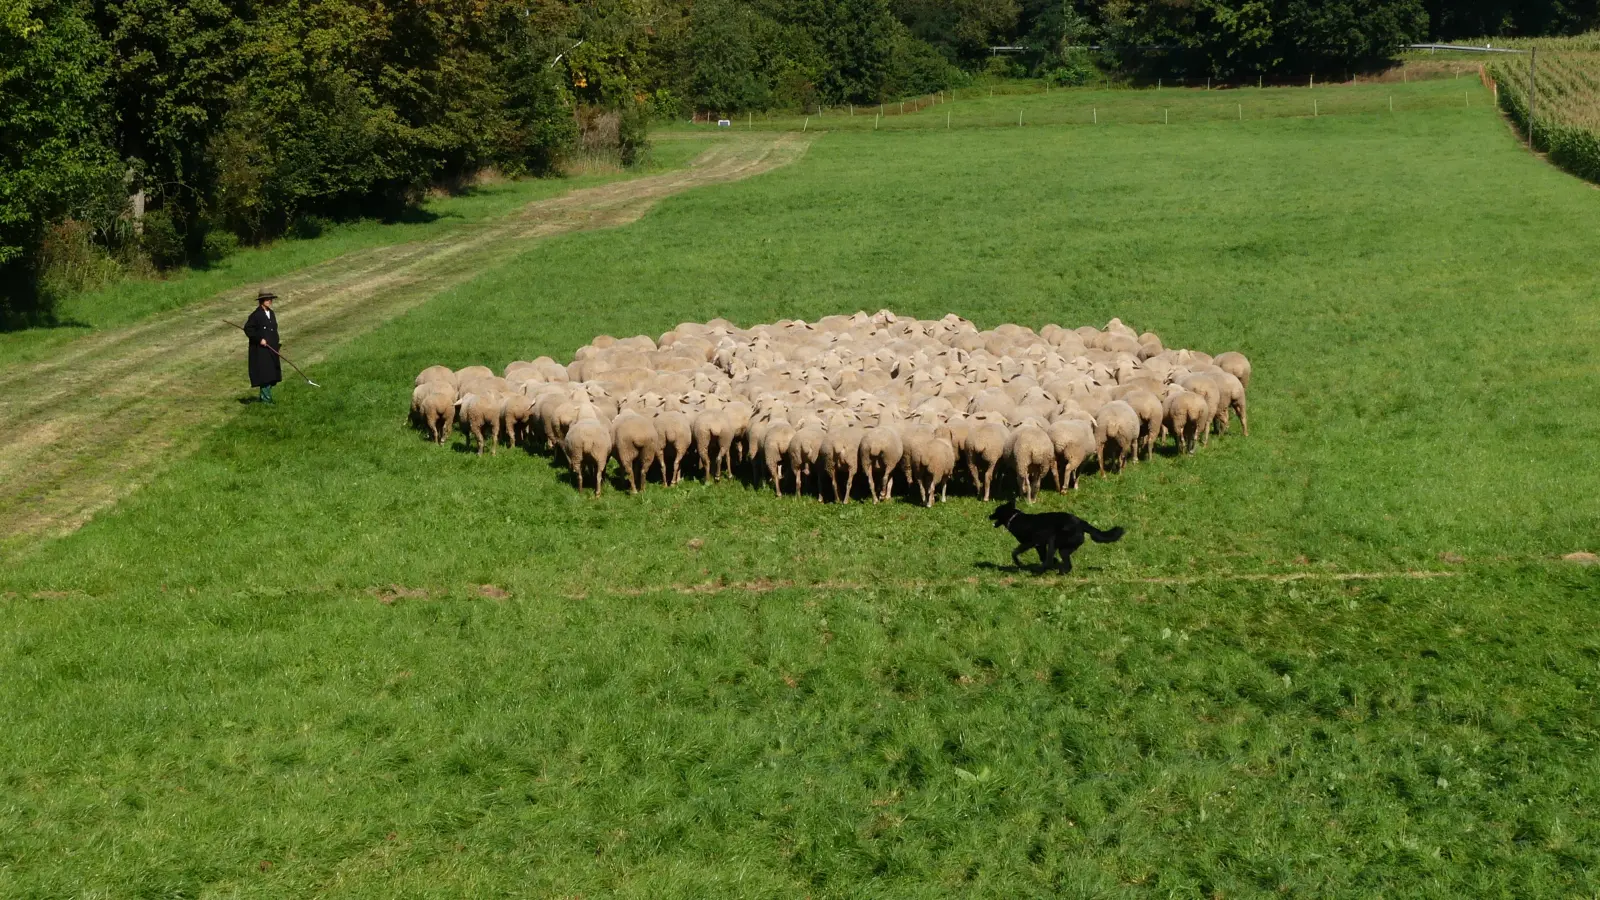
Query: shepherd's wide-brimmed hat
[[265, 294]]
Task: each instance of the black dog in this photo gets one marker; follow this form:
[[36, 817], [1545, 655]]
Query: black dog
[[1048, 533]]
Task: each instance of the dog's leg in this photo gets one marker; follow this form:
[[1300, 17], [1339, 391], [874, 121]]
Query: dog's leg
[[1073, 542], [1047, 553], [1016, 555]]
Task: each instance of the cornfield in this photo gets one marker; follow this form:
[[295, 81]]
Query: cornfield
[[1565, 108]]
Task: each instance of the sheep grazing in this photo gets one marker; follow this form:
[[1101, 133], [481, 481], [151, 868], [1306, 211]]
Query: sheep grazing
[[840, 459], [443, 375], [1116, 426], [804, 454], [433, 408], [1150, 411], [677, 439], [1186, 418], [480, 413], [1074, 442], [1235, 364], [636, 443], [518, 412], [986, 446], [1233, 397], [775, 443], [933, 462], [879, 456], [799, 402], [588, 447], [713, 438], [1032, 456], [1215, 393]]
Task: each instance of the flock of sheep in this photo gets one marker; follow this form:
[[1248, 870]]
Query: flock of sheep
[[846, 400]]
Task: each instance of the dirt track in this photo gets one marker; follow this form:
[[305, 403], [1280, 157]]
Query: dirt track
[[101, 417]]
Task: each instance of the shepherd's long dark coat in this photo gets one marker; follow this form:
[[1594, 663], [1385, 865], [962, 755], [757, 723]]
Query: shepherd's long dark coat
[[264, 366]]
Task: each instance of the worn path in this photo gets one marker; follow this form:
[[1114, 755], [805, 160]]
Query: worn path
[[98, 419]]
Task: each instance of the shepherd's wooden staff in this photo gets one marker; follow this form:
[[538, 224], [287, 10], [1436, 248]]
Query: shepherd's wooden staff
[[279, 355]]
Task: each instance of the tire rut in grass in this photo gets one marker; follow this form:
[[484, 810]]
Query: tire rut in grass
[[97, 420]]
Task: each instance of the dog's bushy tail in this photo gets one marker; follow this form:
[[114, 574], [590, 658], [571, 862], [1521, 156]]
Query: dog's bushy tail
[[1108, 536]]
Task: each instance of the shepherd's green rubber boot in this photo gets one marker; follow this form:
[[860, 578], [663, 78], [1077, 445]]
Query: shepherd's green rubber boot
[[266, 393]]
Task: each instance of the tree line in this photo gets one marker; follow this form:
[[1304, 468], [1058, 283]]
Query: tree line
[[169, 131]]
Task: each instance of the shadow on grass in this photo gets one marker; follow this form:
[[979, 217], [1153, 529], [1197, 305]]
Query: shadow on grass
[[1032, 570]]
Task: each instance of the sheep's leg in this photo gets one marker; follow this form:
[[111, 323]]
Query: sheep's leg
[[1072, 477], [872, 483], [944, 490], [722, 461], [775, 471], [1244, 422], [849, 481], [988, 480], [1101, 455], [888, 482], [708, 467], [477, 434]]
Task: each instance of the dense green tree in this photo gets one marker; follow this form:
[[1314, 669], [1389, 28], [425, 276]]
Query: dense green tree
[[172, 64], [854, 42], [727, 69], [55, 157], [1458, 19], [963, 29]]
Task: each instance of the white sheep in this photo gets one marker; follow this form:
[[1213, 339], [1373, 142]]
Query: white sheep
[[1116, 426], [637, 444], [878, 457], [1032, 456], [588, 447]]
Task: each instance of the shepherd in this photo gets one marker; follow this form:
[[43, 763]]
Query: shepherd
[[262, 330]]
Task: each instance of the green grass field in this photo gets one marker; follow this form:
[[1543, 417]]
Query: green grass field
[[323, 657]]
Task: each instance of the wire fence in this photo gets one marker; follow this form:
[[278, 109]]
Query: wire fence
[[1161, 105]]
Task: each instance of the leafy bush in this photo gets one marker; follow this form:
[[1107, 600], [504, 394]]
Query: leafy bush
[[162, 241], [307, 226], [217, 244], [1074, 73], [71, 261], [633, 134], [1002, 67]]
